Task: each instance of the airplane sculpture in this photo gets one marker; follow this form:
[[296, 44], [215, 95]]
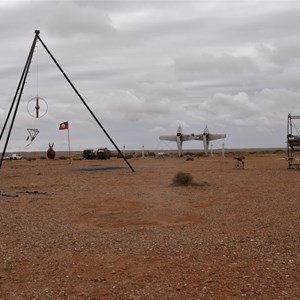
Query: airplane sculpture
[[206, 137]]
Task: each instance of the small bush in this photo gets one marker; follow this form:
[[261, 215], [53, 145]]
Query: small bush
[[199, 154], [191, 154], [150, 154], [43, 157], [63, 157], [77, 158], [30, 158], [182, 178], [189, 158]]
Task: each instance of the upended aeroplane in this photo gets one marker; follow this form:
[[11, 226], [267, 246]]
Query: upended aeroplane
[[206, 137]]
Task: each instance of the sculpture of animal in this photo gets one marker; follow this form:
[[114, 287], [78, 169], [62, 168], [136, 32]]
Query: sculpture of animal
[[240, 164], [51, 152]]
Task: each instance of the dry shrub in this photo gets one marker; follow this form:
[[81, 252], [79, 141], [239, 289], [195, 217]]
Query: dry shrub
[[30, 158], [182, 178], [189, 158], [63, 157], [185, 179]]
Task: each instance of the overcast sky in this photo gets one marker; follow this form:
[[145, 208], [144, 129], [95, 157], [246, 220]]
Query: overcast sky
[[144, 67]]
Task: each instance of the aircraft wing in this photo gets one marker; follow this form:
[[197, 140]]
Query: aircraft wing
[[199, 137], [188, 137], [172, 138], [216, 136]]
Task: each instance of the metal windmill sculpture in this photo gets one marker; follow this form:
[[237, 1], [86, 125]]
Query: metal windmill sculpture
[[19, 91]]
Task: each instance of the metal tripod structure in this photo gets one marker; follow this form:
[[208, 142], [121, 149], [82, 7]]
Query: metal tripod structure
[[293, 143], [18, 94]]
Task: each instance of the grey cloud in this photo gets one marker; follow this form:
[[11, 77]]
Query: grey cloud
[[142, 65], [206, 63]]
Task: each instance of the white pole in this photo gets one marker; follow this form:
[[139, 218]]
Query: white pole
[[223, 150], [143, 152], [211, 150], [69, 145]]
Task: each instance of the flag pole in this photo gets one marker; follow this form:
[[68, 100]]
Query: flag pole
[[69, 146], [62, 126]]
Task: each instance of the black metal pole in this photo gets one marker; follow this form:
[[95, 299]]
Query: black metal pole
[[13, 102], [85, 104], [22, 84]]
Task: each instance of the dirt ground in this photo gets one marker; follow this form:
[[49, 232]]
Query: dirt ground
[[79, 231]]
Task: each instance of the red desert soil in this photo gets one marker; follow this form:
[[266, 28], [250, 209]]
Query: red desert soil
[[67, 233]]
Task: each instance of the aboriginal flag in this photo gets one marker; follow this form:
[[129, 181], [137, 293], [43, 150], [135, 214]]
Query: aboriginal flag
[[64, 125]]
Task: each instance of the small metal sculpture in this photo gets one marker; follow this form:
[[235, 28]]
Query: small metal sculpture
[[32, 135], [51, 152], [240, 164], [37, 107]]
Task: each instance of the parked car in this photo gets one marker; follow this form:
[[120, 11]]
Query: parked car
[[13, 157], [89, 154], [103, 153]]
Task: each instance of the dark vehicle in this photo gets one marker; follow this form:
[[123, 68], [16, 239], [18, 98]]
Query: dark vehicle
[[103, 153], [89, 154]]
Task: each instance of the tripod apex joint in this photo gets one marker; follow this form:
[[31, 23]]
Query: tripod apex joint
[[37, 32]]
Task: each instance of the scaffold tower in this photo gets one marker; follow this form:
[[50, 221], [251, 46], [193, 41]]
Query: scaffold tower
[[293, 142]]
